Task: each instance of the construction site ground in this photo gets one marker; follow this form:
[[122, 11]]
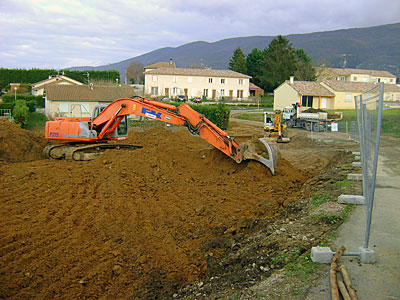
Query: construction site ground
[[176, 219]]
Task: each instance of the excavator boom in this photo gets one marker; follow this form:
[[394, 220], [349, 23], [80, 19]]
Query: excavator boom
[[104, 126]]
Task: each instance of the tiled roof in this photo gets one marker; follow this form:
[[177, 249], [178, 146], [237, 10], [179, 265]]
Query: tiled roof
[[348, 72], [392, 88], [54, 79], [197, 72], [162, 64], [310, 88], [84, 93], [252, 86], [350, 86]]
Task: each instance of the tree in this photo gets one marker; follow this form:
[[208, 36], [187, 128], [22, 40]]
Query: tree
[[134, 72], [253, 65], [237, 62], [21, 113], [280, 62], [305, 70]]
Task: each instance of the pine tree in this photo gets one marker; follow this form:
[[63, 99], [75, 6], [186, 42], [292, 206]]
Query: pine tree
[[279, 63], [237, 62], [253, 64]]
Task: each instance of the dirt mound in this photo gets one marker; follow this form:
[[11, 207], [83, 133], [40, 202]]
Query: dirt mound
[[134, 223], [19, 145]]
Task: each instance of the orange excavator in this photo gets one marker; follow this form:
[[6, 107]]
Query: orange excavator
[[88, 136]]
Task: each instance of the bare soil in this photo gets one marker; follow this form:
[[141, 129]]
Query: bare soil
[[175, 219]]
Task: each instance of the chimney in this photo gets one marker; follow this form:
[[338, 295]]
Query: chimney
[[291, 79], [170, 62], [91, 86]]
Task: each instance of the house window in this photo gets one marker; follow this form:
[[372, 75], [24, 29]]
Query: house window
[[85, 108], [190, 79], [378, 80], [175, 91], [222, 80], [391, 80], [239, 94], [210, 80], [154, 90], [355, 78], [63, 107], [348, 97], [167, 92], [205, 93], [154, 78], [343, 78], [307, 101], [222, 92], [240, 81], [174, 79]]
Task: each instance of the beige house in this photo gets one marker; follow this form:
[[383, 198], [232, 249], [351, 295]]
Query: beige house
[[346, 91], [355, 75], [210, 84], [38, 87], [307, 93], [391, 93], [80, 100], [330, 94]]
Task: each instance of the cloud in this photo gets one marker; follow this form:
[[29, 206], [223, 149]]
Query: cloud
[[63, 33]]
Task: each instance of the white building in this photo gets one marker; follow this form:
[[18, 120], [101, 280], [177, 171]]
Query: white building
[[205, 83]]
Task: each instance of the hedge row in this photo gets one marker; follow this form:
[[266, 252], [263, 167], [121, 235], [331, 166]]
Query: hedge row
[[31, 101], [30, 76], [218, 114]]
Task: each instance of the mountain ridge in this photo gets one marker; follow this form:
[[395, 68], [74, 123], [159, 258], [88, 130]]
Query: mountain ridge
[[376, 47]]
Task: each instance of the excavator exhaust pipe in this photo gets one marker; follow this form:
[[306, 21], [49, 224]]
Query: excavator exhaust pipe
[[261, 151]]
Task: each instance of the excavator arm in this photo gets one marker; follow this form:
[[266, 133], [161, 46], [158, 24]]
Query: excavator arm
[[183, 115], [101, 129]]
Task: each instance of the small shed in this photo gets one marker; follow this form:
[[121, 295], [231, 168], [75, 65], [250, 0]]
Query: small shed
[[255, 91]]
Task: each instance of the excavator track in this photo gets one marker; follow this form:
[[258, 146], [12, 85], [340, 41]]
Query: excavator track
[[72, 152]]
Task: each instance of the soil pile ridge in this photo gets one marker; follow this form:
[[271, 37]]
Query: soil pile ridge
[[19, 145]]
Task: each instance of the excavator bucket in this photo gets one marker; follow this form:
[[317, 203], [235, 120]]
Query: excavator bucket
[[259, 149]]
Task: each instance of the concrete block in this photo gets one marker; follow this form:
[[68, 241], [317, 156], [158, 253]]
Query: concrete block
[[356, 164], [367, 256], [351, 199], [321, 255], [357, 157], [354, 176], [356, 153]]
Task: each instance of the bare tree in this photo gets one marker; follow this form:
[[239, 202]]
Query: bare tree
[[134, 72]]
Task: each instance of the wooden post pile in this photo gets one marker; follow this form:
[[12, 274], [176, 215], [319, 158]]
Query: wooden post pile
[[346, 288]]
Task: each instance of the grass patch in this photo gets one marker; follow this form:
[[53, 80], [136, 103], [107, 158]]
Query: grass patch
[[303, 268], [390, 120], [255, 116], [319, 199]]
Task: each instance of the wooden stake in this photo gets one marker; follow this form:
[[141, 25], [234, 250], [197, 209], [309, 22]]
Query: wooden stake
[[332, 274], [343, 290], [347, 281]]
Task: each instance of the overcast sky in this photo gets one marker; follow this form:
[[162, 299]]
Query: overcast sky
[[64, 33]]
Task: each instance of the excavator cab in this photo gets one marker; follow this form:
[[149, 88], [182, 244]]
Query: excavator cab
[[122, 128]]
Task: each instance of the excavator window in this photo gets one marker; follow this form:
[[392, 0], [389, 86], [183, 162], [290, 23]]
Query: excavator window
[[122, 128]]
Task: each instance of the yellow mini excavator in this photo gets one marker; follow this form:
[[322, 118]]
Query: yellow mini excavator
[[274, 128]]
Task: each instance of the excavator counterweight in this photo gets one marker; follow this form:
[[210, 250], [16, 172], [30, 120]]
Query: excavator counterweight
[[109, 123]]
